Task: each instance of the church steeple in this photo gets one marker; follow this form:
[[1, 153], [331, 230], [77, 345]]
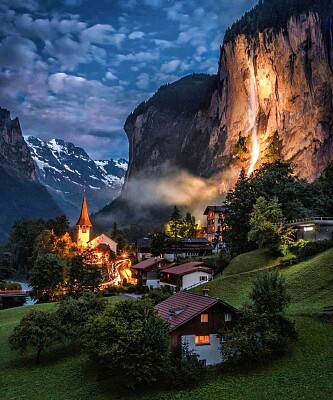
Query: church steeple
[[84, 224]]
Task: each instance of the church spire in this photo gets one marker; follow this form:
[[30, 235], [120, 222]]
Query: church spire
[[84, 224], [84, 219]]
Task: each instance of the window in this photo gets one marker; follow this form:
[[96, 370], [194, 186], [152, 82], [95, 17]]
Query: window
[[203, 278], [200, 340], [227, 317], [222, 340], [203, 363], [204, 317]]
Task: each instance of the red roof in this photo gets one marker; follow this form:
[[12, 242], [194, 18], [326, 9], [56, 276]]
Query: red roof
[[188, 268], [183, 306], [151, 262], [84, 216]]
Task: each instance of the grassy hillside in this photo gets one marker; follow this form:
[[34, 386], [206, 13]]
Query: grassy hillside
[[307, 373], [309, 283]]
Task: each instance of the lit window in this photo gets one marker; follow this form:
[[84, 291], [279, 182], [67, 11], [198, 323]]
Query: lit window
[[227, 317], [203, 278], [204, 317], [199, 340]]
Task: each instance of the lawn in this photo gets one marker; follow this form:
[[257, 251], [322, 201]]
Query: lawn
[[306, 373]]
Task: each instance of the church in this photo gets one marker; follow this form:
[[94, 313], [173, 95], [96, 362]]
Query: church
[[84, 240]]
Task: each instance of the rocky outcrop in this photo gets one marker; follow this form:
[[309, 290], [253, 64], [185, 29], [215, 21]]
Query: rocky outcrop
[[274, 100], [21, 194], [14, 152]]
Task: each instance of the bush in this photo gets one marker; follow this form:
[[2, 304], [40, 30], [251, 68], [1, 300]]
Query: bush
[[130, 341], [74, 313], [305, 249], [262, 327], [186, 369]]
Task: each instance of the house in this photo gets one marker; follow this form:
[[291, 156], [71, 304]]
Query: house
[[312, 228], [148, 271], [143, 248], [184, 276], [215, 231], [187, 247], [199, 321], [103, 239]]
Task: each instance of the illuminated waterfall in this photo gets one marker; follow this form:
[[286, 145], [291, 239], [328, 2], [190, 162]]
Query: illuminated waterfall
[[253, 117]]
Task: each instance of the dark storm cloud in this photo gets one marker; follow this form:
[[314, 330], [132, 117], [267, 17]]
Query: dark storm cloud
[[74, 69]]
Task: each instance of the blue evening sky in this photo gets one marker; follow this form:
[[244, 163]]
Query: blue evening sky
[[74, 69]]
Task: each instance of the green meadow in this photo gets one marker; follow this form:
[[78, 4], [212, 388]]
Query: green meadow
[[305, 373]]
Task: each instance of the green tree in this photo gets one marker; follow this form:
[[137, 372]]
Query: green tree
[[185, 367], [118, 236], [130, 340], [82, 276], [39, 330], [239, 206], [175, 224], [59, 225], [262, 327], [21, 243], [47, 278], [6, 268], [267, 213], [189, 226], [73, 313], [157, 244]]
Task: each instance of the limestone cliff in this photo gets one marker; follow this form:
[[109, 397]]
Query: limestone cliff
[[273, 100], [14, 152], [276, 89], [21, 194]]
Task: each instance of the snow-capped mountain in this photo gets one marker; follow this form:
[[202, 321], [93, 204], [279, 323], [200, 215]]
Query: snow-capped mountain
[[65, 169]]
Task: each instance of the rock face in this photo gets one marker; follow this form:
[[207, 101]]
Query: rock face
[[176, 134], [281, 92], [274, 100], [21, 194], [14, 152], [64, 169]]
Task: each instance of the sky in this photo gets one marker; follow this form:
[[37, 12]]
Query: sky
[[75, 69]]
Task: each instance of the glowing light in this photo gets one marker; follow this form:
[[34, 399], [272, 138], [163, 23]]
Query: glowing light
[[308, 228], [253, 114]]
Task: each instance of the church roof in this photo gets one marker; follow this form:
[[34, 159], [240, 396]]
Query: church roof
[[84, 216]]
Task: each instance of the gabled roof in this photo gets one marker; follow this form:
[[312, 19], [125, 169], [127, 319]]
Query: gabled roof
[[150, 262], [188, 268], [84, 216], [181, 307], [145, 242], [215, 209], [102, 239]]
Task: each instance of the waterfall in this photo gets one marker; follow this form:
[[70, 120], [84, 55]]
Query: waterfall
[[253, 116]]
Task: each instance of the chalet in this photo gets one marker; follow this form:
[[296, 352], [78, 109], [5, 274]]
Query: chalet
[[184, 276], [143, 248], [215, 223], [198, 320], [313, 228], [187, 247], [148, 271]]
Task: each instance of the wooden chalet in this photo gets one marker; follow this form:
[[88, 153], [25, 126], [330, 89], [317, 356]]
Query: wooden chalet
[[198, 320], [148, 271], [184, 276]]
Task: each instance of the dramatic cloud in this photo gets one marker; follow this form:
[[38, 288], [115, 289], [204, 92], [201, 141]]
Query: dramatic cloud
[[74, 69]]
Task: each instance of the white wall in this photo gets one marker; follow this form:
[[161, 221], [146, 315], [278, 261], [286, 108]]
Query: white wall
[[194, 278], [209, 352], [153, 283]]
